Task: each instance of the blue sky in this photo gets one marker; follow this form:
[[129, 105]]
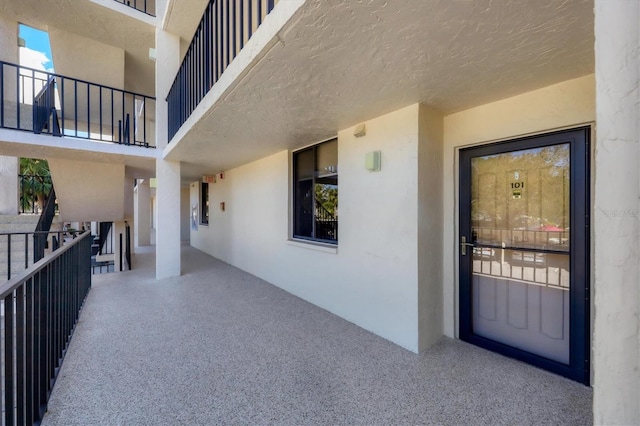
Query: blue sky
[[37, 50]]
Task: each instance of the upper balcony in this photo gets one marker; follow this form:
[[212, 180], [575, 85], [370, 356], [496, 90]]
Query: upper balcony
[[43, 102], [145, 6], [223, 31], [313, 68]]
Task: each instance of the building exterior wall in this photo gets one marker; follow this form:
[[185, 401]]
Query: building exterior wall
[[9, 197], [398, 222], [371, 278], [100, 62], [8, 40], [616, 215], [185, 212], [88, 191], [430, 223]]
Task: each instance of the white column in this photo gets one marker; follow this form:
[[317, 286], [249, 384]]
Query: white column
[[143, 213], [167, 172], [616, 346], [168, 226], [9, 183], [430, 224]]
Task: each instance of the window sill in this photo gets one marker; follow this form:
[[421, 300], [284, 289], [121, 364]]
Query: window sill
[[313, 245]]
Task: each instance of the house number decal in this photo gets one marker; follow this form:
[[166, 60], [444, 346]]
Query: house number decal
[[516, 189]]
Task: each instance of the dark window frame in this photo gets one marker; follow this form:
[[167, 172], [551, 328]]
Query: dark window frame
[[310, 220], [204, 203]]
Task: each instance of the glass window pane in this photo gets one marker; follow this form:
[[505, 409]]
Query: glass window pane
[[303, 223], [521, 198], [328, 158], [304, 164]]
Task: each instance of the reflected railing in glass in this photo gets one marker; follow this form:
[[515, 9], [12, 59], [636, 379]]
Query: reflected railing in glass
[[537, 268]]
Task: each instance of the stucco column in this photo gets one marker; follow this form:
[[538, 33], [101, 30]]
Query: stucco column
[[143, 213], [167, 172], [430, 225], [616, 346], [9, 183], [168, 226]]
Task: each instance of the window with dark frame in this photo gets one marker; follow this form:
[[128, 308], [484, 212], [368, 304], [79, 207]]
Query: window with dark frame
[[204, 203], [315, 193]]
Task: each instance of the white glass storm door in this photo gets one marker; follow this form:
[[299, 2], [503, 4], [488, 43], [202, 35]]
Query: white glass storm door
[[524, 250]]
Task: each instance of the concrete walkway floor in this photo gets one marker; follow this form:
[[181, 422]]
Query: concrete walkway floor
[[219, 346]]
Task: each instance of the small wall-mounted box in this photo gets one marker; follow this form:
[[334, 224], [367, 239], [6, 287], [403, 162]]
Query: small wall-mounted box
[[222, 206], [372, 161]]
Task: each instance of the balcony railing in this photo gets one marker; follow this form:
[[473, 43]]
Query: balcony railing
[[43, 102], [40, 309], [226, 26], [144, 6]]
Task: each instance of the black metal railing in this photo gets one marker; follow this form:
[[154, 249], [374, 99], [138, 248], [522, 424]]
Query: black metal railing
[[326, 226], [40, 309], [44, 225], [20, 250], [45, 115], [43, 102], [145, 6], [34, 193], [127, 245], [223, 31], [105, 239]]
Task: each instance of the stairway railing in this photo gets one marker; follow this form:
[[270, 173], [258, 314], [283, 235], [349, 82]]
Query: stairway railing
[[44, 225], [45, 115]]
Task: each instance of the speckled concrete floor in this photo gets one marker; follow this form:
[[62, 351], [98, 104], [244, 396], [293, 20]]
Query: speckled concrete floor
[[219, 346]]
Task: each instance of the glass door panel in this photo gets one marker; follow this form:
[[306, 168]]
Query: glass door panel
[[520, 228]]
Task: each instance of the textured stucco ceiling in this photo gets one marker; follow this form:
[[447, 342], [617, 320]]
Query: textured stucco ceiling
[[341, 62], [183, 17]]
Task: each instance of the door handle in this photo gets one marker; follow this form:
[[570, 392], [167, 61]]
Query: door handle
[[463, 245]]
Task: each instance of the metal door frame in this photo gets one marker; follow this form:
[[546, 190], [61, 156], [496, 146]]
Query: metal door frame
[[579, 142]]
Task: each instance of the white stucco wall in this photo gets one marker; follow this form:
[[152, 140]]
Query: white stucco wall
[[616, 215], [142, 213], [89, 191], [567, 104], [185, 211], [8, 40], [100, 63], [371, 278], [430, 223], [9, 53], [9, 196]]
